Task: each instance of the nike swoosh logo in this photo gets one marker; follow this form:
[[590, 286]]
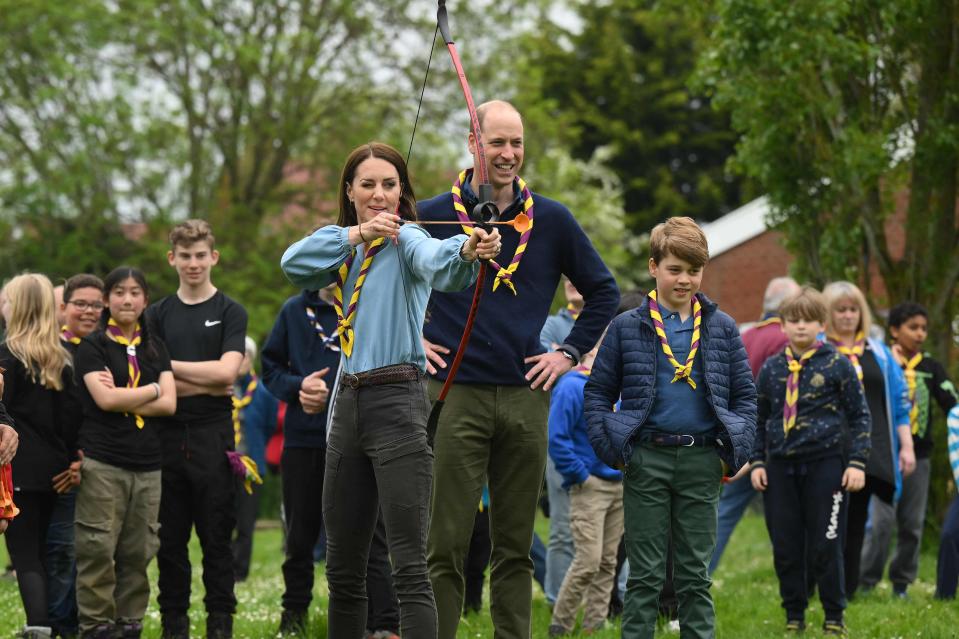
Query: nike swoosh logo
[[209, 323]]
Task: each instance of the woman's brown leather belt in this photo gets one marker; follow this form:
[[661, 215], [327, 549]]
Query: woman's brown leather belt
[[384, 375]]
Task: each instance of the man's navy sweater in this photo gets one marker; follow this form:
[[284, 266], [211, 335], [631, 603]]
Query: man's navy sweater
[[508, 326], [293, 351]]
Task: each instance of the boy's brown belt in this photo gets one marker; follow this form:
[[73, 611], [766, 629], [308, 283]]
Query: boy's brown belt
[[384, 375]]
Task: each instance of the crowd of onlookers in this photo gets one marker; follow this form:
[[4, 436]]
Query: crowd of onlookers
[[138, 421]]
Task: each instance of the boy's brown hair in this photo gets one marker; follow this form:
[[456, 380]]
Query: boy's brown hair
[[190, 232], [808, 304], [680, 237], [81, 280]]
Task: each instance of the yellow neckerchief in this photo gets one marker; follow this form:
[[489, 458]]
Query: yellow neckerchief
[[345, 325], [791, 408], [573, 312], [853, 352], [133, 364], [909, 372], [766, 322], [683, 371], [239, 403], [504, 275], [69, 336]]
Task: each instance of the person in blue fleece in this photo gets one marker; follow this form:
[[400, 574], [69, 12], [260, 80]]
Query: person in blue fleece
[[595, 508]]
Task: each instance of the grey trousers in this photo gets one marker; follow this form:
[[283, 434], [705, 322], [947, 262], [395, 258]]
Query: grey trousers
[[377, 459], [907, 518]]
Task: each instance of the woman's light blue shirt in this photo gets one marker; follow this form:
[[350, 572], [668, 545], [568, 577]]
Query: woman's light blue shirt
[[392, 304]]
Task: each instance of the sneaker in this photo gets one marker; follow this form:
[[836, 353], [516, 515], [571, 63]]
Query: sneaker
[[834, 628], [795, 625], [129, 629], [175, 626], [673, 626], [556, 630], [36, 632], [384, 634], [101, 631], [899, 592], [292, 622], [219, 625]]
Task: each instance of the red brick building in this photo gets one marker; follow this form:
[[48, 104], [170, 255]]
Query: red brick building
[[744, 256]]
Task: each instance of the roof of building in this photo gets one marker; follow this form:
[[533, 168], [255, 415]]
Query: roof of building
[[737, 227]]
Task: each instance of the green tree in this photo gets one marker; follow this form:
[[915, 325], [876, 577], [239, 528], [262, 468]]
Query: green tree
[[845, 108], [621, 80]]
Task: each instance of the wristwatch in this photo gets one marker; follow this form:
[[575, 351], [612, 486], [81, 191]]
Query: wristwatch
[[572, 358]]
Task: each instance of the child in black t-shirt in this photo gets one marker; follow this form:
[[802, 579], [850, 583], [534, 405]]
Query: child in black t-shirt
[[926, 380], [205, 333], [127, 381]]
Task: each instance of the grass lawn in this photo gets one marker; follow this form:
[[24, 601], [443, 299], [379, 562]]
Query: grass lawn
[[745, 591]]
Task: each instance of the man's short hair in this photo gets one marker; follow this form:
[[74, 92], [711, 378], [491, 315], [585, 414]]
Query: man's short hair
[[78, 281], [808, 304], [680, 237], [190, 232], [902, 313]]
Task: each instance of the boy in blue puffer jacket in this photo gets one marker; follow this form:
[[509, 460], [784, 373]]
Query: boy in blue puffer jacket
[[688, 417]]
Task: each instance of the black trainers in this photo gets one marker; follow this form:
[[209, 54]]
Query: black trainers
[[292, 622], [101, 631], [129, 629], [835, 628], [555, 630], [175, 626], [795, 625], [219, 625]]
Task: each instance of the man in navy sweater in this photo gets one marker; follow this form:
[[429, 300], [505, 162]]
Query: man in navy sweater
[[504, 372]]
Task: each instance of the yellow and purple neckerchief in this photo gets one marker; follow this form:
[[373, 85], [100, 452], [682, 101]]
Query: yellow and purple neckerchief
[[683, 371], [504, 275], [344, 327], [133, 365], [909, 372], [573, 312], [69, 336], [853, 352], [791, 407], [328, 341], [239, 403], [775, 319]]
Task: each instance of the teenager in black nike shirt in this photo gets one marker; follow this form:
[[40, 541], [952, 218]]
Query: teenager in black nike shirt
[[204, 331]]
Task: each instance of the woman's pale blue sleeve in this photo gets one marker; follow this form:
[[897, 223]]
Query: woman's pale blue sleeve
[[437, 262], [311, 263]]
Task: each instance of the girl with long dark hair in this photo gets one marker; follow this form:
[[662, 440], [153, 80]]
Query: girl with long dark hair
[[127, 380]]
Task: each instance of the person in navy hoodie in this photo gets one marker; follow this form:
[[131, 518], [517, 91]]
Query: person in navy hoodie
[[595, 508]]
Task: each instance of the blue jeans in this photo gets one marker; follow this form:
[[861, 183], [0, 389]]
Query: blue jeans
[[947, 571], [732, 504], [62, 566], [537, 553], [559, 553]]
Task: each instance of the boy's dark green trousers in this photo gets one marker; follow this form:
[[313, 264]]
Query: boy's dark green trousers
[[670, 491]]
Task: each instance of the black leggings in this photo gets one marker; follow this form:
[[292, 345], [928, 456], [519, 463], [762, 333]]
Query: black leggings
[[27, 542]]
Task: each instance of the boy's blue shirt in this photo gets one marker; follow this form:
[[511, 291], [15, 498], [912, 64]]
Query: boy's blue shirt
[[679, 409], [569, 445], [626, 365]]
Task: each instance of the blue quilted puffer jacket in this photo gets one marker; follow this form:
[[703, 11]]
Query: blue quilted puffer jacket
[[626, 367]]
